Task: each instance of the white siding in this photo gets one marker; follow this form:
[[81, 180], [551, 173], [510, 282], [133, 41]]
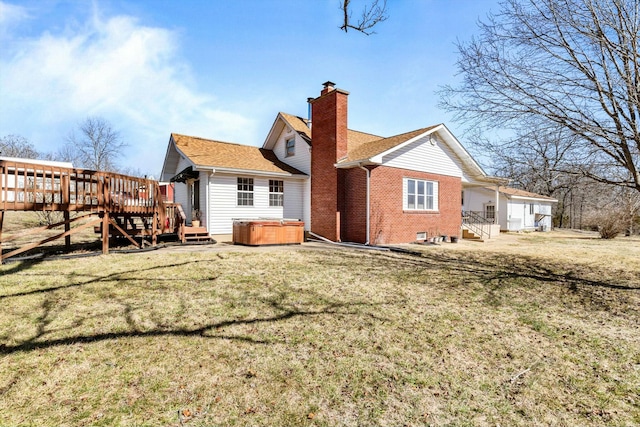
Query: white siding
[[223, 202], [181, 194], [301, 160], [423, 156], [293, 199]]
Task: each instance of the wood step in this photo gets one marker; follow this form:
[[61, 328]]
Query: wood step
[[469, 235], [196, 235]]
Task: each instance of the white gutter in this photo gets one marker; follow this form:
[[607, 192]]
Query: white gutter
[[368, 172], [213, 169]]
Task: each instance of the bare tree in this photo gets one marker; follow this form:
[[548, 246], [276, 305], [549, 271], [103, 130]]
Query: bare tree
[[17, 146], [97, 146], [371, 15], [574, 63]]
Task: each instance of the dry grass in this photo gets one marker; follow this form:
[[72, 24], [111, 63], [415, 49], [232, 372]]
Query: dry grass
[[18, 225], [467, 334]]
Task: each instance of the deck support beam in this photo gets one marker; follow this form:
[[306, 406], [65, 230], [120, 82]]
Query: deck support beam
[[105, 233], [67, 227], [1, 221]]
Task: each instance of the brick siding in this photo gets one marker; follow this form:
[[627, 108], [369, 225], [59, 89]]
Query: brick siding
[[329, 121], [391, 224]]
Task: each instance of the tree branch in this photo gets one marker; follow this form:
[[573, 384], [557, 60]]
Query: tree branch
[[371, 16]]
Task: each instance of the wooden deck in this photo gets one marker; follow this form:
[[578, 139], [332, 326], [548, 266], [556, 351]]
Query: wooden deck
[[119, 205]]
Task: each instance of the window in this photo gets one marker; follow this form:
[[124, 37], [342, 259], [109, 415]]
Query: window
[[276, 193], [291, 147], [531, 209], [245, 191], [421, 195], [490, 212]]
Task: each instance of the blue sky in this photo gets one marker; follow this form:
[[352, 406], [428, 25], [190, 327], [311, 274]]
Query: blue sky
[[220, 69]]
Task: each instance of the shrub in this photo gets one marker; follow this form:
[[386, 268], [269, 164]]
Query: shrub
[[609, 226]]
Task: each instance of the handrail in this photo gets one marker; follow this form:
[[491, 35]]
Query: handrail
[[476, 218], [35, 186], [477, 223]]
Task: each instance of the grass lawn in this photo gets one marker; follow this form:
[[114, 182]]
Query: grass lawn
[[541, 330]]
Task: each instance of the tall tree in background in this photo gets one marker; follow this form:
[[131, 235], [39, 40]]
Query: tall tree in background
[[17, 146], [572, 63], [96, 146]]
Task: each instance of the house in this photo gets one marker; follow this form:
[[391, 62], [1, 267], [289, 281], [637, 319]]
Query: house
[[166, 190], [517, 210], [345, 185]]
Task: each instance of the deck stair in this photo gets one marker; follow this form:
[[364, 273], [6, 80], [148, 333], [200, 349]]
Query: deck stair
[[475, 226], [196, 235], [116, 205], [470, 235]]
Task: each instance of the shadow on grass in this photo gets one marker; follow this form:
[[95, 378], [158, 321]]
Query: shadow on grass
[[492, 270], [206, 331], [490, 267], [106, 278]]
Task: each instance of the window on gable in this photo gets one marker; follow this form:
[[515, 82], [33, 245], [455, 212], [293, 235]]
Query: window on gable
[[245, 191], [276, 192], [420, 195], [291, 147]]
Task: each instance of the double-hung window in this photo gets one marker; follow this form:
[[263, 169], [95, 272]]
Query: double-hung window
[[245, 191], [291, 147], [276, 192], [420, 195]]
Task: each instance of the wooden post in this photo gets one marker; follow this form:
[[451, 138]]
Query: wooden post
[[1, 221], [65, 187], [105, 232], [105, 215], [67, 227], [154, 227]]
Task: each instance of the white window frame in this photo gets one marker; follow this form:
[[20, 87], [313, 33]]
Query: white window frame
[[490, 213], [276, 193], [290, 150], [244, 191], [420, 195]]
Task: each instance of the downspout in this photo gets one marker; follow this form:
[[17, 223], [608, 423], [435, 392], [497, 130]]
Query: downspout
[[497, 215], [368, 172]]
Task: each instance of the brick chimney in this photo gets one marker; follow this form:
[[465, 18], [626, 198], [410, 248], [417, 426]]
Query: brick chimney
[[329, 144]]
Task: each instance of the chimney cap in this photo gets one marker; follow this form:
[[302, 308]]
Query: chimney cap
[[328, 83]]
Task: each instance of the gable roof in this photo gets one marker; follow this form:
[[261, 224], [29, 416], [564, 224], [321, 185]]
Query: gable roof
[[298, 124], [301, 126], [207, 153], [372, 152], [521, 194], [373, 147]]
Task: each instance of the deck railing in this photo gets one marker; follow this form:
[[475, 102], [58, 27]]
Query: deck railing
[[34, 186], [477, 223]]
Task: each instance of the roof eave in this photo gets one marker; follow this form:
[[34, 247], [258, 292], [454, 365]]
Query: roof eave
[[356, 163], [540, 199], [214, 169]]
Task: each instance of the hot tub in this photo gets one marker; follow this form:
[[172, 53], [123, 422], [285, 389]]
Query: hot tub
[[257, 232]]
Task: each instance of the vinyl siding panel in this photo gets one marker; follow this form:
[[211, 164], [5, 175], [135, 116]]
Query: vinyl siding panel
[[422, 156], [301, 160], [181, 193], [223, 202], [293, 199]]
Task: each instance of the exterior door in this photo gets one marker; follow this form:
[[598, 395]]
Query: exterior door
[[490, 212]]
